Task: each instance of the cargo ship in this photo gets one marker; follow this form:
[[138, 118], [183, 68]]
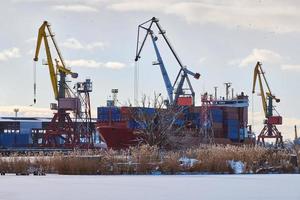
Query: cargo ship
[[229, 122]]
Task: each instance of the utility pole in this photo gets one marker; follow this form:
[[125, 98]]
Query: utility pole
[[296, 134], [16, 110], [227, 86]]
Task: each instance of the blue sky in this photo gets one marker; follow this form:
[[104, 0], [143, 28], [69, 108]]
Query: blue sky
[[222, 40]]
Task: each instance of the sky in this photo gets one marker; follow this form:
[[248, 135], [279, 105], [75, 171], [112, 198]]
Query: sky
[[220, 39]]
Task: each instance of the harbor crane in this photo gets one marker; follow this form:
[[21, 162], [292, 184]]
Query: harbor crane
[[177, 95], [63, 131], [271, 120]]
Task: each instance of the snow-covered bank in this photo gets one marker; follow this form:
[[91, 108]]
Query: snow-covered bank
[[206, 187]]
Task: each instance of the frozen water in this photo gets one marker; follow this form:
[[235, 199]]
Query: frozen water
[[188, 187]]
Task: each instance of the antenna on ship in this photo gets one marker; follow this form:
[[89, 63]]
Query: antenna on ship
[[216, 92], [115, 96], [227, 85]]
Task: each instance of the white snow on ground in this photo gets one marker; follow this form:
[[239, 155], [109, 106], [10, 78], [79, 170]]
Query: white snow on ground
[[188, 187], [237, 166]]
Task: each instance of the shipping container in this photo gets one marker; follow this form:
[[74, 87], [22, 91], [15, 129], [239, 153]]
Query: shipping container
[[245, 116], [219, 134], [116, 117], [217, 115], [233, 129], [108, 113], [196, 109], [132, 124], [125, 110], [217, 126], [147, 111], [231, 113]]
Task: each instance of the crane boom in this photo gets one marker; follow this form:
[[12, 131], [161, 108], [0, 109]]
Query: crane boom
[[163, 69], [43, 36], [257, 74], [266, 97], [54, 70]]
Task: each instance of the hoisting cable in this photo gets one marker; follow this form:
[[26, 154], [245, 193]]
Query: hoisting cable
[[136, 83], [252, 111], [34, 83]]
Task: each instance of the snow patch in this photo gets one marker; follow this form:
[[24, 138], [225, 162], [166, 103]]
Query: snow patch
[[238, 167], [187, 162]]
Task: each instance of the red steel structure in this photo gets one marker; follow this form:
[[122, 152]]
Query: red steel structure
[[206, 129]]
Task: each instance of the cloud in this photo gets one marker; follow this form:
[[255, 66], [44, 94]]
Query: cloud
[[25, 111], [114, 65], [262, 15], [141, 5], [75, 8], [73, 43], [263, 55], [267, 15], [84, 63], [288, 67], [9, 54], [95, 64]]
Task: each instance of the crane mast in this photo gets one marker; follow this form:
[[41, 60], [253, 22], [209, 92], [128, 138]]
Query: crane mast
[[183, 74], [267, 97]]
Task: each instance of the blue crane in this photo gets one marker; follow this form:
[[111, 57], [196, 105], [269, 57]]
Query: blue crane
[[175, 90]]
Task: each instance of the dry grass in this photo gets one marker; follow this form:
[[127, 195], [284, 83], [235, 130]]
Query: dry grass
[[146, 159]]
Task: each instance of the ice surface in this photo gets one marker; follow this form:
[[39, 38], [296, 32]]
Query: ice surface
[[187, 187]]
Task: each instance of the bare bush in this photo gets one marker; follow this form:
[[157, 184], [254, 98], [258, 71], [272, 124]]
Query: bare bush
[[147, 159], [156, 129]]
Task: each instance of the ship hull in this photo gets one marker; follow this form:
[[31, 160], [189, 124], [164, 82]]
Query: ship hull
[[117, 135]]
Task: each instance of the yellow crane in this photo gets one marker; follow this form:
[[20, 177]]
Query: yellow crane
[[61, 126], [59, 87], [267, 98]]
